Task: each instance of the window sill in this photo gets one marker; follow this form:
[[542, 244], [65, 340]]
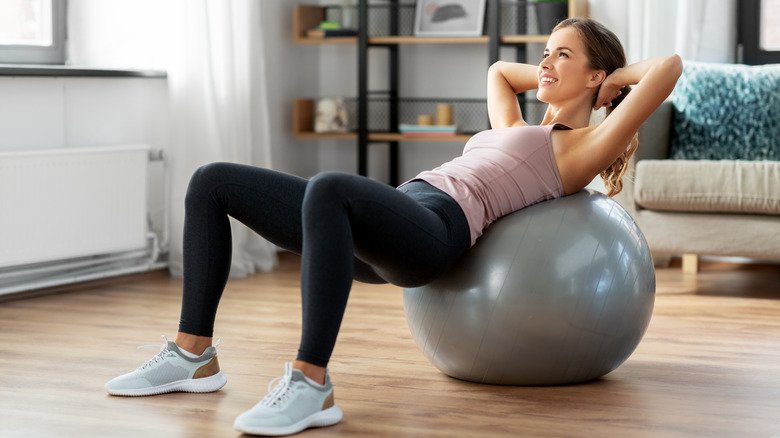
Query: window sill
[[74, 71]]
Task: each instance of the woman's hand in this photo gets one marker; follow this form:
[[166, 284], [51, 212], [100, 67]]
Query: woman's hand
[[609, 91]]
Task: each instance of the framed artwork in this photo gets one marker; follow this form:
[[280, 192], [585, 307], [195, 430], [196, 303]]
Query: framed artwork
[[456, 18]]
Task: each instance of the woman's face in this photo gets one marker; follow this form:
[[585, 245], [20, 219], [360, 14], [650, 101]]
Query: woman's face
[[564, 73]]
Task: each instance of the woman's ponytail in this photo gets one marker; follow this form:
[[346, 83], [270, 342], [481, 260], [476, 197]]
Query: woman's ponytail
[[613, 175]]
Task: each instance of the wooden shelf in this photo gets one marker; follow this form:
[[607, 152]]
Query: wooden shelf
[[306, 17], [303, 123], [308, 135], [328, 40], [381, 136], [524, 39], [427, 40], [394, 136]]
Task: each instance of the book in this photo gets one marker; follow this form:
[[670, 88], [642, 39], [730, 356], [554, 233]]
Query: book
[[325, 33], [428, 134], [427, 129]]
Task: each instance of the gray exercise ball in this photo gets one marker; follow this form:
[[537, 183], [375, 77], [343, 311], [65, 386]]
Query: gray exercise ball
[[556, 293]]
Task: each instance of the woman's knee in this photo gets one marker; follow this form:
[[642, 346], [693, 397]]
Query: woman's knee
[[326, 186], [205, 178]]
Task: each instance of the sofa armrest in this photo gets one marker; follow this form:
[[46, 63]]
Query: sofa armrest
[[654, 134]]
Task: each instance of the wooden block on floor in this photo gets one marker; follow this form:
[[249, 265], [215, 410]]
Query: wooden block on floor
[[690, 263]]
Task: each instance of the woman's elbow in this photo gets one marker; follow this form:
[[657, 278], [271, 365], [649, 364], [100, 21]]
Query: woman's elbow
[[495, 68], [674, 65]]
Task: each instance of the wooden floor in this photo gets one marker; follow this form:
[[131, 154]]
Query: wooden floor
[[709, 364]]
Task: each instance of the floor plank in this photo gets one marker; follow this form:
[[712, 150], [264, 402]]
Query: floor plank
[[709, 364]]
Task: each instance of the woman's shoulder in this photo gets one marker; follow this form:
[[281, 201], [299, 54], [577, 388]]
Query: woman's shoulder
[[572, 155]]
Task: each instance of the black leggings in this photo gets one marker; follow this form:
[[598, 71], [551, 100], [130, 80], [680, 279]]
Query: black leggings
[[345, 227]]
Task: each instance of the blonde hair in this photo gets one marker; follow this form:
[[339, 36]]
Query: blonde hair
[[613, 174], [605, 53]]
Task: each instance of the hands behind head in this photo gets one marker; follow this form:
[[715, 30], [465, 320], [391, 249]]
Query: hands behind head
[[609, 91]]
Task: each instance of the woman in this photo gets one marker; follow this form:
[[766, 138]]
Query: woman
[[349, 227]]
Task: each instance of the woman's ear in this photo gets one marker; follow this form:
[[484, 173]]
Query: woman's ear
[[596, 78]]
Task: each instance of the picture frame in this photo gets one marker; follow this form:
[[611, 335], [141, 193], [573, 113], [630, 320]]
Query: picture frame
[[449, 18]]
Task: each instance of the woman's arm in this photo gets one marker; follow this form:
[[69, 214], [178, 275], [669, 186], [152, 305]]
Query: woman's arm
[[629, 75], [504, 81], [655, 79]]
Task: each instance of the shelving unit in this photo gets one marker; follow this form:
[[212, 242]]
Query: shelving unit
[[309, 16]]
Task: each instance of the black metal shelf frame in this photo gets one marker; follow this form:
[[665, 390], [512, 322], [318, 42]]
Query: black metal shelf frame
[[493, 27]]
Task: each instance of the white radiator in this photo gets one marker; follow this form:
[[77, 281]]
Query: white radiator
[[64, 204]]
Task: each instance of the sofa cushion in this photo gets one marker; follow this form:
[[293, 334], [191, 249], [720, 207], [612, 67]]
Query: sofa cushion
[[726, 111], [714, 186]]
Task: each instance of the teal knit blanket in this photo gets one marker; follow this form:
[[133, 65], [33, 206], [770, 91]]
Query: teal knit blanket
[[726, 112]]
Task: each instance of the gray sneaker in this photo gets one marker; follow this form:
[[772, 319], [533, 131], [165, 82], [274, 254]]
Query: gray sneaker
[[171, 371], [294, 404]]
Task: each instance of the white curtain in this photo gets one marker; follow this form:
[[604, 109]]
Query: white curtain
[[697, 30], [215, 57], [219, 111]]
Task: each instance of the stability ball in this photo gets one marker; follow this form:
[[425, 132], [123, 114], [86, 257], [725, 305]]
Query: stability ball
[[556, 293]]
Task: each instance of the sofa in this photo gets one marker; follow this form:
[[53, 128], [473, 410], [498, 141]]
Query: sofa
[[705, 180]]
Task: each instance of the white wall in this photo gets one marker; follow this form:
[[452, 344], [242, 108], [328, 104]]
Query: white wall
[[56, 112]]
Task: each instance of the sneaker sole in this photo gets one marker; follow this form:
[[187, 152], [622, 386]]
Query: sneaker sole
[[328, 417], [205, 384]]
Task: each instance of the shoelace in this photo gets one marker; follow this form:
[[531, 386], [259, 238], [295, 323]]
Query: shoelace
[[282, 391], [159, 356], [164, 351]]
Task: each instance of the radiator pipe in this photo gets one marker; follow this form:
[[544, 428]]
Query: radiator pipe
[[59, 270], [82, 277], [62, 266], [101, 269], [162, 156]]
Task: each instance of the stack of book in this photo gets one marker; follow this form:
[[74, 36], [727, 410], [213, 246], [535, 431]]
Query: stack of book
[[328, 29], [428, 130], [330, 33]]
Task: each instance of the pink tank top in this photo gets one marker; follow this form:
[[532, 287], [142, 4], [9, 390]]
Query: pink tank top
[[501, 171]]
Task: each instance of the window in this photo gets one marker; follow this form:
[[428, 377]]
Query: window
[[32, 31], [759, 32]]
